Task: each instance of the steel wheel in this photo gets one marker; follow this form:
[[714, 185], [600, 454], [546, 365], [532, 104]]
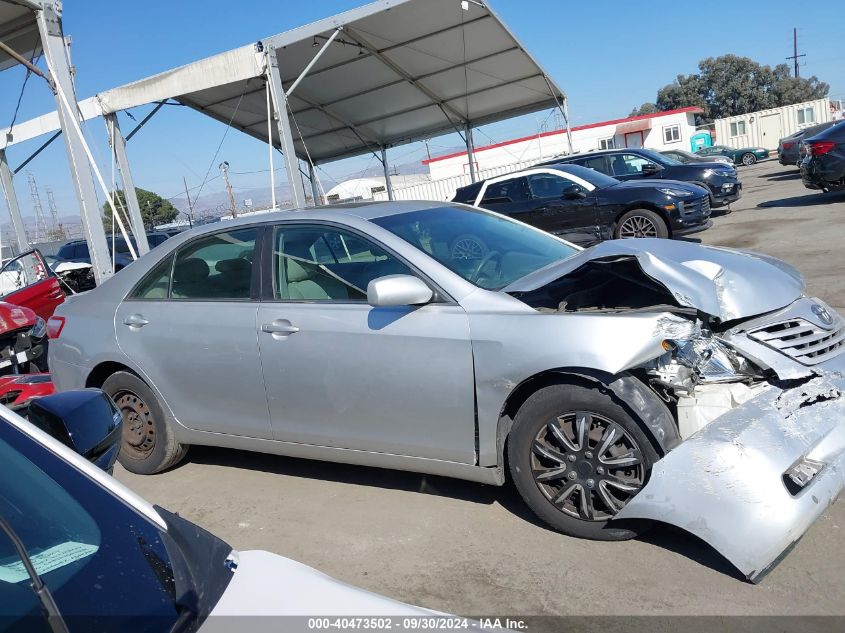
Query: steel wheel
[[139, 433], [638, 226], [586, 465], [468, 247], [748, 159]]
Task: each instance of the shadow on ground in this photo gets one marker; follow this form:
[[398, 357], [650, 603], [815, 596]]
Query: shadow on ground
[[662, 535], [785, 175], [810, 200]]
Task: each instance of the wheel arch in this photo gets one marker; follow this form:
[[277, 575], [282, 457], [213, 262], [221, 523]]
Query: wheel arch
[[98, 375], [628, 391]]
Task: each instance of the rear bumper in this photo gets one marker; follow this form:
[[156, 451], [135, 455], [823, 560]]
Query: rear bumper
[[727, 484], [823, 172]]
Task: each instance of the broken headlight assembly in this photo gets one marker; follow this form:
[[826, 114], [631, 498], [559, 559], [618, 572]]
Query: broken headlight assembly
[[700, 360]]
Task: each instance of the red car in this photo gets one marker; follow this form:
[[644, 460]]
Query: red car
[[29, 293]]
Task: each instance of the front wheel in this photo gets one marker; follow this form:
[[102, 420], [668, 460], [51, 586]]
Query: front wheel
[[748, 159], [577, 457], [148, 445], [640, 223]]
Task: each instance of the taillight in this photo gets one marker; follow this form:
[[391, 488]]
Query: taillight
[[55, 325], [817, 148], [788, 145]]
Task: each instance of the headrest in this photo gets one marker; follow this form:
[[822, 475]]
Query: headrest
[[297, 272], [190, 270], [236, 265]]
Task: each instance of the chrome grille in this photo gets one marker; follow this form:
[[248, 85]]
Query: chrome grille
[[807, 343]]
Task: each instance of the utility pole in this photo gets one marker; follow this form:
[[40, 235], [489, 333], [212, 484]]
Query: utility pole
[[795, 54], [58, 231], [190, 204], [40, 225], [224, 168]]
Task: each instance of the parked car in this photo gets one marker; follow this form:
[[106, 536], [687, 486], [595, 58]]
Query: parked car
[[77, 250], [742, 156], [585, 206], [789, 147], [75, 276], [28, 281], [636, 164], [81, 552], [682, 156], [823, 166], [358, 334]]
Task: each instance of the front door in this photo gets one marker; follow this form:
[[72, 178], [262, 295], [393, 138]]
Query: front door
[[344, 374], [190, 326], [575, 219], [27, 281]]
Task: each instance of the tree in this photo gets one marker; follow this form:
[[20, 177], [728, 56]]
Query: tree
[[155, 210], [731, 85], [647, 108]]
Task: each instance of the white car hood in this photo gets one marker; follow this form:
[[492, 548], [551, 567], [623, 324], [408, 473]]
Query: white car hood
[[266, 584], [724, 283]]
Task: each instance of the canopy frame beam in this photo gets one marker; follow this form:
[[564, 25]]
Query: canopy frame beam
[[7, 180], [129, 193]]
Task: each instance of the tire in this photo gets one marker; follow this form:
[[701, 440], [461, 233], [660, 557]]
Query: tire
[[148, 445], [640, 223], [748, 159], [468, 247], [534, 449]]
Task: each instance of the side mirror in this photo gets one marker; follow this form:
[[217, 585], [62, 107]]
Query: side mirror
[[573, 192], [398, 290], [85, 420], [649, 169]]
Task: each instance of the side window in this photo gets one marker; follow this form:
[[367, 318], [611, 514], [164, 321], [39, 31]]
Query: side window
[[323, 263], [20, 272], [81, 251], [599, 163], [628, 164], [156, 284], [548, 185], [506, 192], [218, 266]]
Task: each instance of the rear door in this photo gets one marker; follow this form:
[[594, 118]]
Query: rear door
[[509, 197], [190, 324], [575, 219], [28, 281]]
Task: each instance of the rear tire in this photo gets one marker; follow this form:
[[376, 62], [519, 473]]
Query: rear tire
[[748, 159], [640, 223], [148, 445], [567, 477]]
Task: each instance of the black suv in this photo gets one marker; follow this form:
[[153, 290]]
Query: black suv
[[633, 164], [585, 206], [823, 165], [77, 250]]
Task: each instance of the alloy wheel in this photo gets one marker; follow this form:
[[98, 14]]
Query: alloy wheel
[[749, 159], [638, 226], [139, 436], [587, 465], [467, 248]]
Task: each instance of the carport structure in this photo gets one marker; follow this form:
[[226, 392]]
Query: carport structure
[[385, 74]]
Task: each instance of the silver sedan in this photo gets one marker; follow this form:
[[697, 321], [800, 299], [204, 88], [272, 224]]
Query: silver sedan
[[638, 379]]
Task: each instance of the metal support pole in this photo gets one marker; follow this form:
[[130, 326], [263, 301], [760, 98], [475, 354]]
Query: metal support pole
[[387, 182], [313, 61], [470, 152], [8, 183], [315, 186], [55, 52], [568, 125], [129, 195], [280, 104]]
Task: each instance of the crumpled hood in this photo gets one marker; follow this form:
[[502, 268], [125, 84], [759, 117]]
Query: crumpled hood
[[725, 283]]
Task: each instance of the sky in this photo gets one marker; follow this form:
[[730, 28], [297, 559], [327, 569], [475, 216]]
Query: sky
[[607, 56]]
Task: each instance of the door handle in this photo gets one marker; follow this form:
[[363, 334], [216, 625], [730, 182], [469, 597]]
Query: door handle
[[279, 326], [135, 320]]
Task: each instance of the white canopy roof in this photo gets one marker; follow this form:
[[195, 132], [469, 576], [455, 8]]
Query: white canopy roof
[[18, 30], [399, 71]]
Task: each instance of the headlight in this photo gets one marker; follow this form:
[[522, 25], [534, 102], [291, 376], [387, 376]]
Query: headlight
[[677, 193], [39, 330], [711, 360]]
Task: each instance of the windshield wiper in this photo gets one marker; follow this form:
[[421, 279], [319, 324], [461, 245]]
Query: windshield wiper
[[48, 605]]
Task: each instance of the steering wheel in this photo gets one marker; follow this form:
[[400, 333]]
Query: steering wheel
[[481, 264]]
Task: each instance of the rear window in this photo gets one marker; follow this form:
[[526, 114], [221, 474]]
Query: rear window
[[468, 194]]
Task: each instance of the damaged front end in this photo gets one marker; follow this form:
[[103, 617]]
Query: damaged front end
[[754, 381]]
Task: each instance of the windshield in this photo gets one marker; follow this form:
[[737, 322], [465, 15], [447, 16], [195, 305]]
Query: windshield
[[486, 249], [660, 159]]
